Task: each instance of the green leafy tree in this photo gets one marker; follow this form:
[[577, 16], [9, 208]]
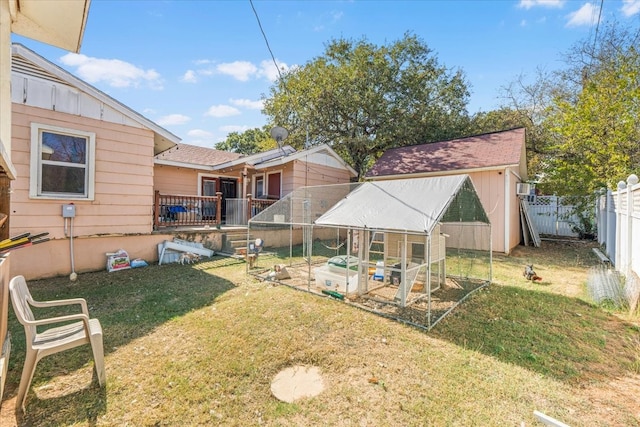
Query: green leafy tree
[[596, 130], [248, 142], [363, 99]]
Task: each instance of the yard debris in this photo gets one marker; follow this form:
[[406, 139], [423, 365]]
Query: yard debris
[[118, 260]]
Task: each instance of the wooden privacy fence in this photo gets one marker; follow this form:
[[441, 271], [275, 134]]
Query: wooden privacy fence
[[552, 216]]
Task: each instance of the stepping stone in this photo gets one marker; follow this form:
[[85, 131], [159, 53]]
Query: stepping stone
[[297, 382]]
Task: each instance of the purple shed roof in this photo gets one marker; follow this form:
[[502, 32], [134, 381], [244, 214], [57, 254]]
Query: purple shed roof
[[505, 148]]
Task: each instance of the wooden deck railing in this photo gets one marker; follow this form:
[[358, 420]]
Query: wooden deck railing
[[171, 210], [175, 210]]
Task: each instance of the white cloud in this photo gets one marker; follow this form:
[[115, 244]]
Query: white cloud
[[113, 72], [200, 134], [201, 138], [247, 103], [528, 4], [586, 15], [630, 7], [523, 23], [233, 128], [189, 77], [222, 111], [173, 119], [239, 70], [269, 70]]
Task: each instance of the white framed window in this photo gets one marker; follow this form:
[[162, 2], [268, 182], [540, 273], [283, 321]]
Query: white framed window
[[62, 163]]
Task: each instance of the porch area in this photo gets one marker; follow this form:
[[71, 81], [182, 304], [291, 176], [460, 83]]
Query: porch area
[[179, 210]]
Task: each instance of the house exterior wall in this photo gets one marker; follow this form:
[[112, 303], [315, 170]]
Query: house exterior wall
[[175, 180], [123, 198], [306, 174]]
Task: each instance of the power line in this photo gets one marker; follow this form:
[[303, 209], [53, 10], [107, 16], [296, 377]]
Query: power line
[[595, 38], [273, 58]]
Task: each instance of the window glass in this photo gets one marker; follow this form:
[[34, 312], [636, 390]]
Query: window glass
[[61, 162]]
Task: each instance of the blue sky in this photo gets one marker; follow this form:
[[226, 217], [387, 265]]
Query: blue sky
[[200, 68]]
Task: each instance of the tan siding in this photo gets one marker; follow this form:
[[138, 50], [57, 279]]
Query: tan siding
[[316, 174], [490, 188], [174, 180], [514, 213], [124, 168]]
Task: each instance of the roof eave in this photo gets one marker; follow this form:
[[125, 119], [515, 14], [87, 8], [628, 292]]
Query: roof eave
[[59, 24], [163, 139], [182, 164], [441, 173]]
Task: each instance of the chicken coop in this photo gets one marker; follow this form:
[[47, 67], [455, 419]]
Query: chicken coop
[[409, 249]]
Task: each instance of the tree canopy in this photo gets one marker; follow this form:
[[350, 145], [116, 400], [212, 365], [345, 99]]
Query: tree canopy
[[362, 99], [584, 129], [248, 142]]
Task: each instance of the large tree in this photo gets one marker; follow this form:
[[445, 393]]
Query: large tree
[[362, 99], [596, 128], [583, 133], [248, 142]]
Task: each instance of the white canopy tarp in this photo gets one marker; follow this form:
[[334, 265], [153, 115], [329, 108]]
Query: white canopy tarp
[[410, 205]]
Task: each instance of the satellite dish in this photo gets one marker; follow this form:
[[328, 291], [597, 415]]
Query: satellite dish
[[279, 134]]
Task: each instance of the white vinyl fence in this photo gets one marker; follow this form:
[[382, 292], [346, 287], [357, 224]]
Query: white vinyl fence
[[618, 216], [551, 216]]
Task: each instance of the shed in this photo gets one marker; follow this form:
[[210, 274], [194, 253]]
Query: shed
[[388, 243], [496, 163]]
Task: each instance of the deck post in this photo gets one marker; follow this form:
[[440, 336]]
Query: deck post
[[249, 207], [156, 210], [219, 207]]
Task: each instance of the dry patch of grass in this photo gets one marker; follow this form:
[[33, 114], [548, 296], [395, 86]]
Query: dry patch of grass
[[199, 345]]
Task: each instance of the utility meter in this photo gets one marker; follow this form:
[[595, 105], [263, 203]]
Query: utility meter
[[69, 211]]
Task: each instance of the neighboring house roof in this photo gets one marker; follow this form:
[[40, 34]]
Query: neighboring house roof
[[27, 63], [56, 23], [185, 155], [495, 150]]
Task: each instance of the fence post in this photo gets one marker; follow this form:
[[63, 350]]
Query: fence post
[[631, 181], [621, 186], [218, 207], [249, 207]]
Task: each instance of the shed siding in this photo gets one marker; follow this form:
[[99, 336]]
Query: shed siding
[[515, 232], [490, 188], [123, 179]]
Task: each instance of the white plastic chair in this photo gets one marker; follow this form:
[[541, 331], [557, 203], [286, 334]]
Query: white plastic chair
[[55, 339]]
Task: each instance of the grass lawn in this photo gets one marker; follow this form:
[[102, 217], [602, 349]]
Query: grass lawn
[[199, 345]]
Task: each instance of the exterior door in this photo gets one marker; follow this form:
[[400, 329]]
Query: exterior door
[[209, 190], [229, 189], [274, 186]]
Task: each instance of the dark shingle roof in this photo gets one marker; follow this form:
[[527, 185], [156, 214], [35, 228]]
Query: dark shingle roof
[[474, 152], [195, 155]]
